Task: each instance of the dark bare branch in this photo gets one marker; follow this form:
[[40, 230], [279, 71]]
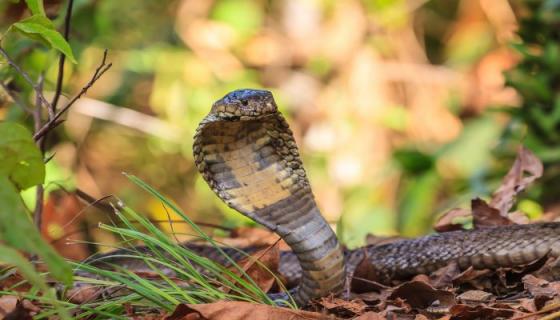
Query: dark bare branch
[[37, 121], [62, 59], [53, 122]]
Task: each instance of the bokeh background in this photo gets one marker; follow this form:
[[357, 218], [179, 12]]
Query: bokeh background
[[395, 104]]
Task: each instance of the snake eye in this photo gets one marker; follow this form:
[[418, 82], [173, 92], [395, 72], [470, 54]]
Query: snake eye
[[244, 102]]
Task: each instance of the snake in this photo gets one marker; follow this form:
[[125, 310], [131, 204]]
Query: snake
[[246, 152]]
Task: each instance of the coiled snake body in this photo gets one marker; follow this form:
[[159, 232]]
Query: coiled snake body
[[246, 152]]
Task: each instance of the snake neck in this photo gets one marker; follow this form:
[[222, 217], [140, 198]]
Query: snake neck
[[254, 167], [299, 222]]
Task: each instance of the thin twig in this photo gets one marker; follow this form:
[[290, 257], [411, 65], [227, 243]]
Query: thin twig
[[37, 121], [60, 78], [38, 212], [92, 201], [52, 123], [28, 79]]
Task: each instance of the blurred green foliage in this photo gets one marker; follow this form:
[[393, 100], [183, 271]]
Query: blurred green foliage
[[387, 99], [537, 78]]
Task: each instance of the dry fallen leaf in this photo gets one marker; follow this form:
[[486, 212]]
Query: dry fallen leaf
[[83, 293], [7, 304], [487, 216], [516, 180], [421, 295], [475, 296], [443, 277], [445, 222], [343, 307], [15, 310], [370, 298], [366, 278], [237, 310], [370, 315], [541, 290], [527, 305], [550, 270], [496, 213], [373, 240]]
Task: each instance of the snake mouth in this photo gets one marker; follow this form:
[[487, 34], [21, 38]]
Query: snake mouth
[[225, 118]]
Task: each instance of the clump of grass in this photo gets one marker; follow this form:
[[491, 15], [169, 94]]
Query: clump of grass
[[119, 287]]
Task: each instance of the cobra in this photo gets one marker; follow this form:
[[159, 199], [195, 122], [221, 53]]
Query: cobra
[[247, 154]]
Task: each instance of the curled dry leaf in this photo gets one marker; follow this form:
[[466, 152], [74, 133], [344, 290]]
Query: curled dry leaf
[[496, 213], [541, 290], [487, 216], [518, 217], [237, 310], [473, 277], [516, 180], [366, 277]]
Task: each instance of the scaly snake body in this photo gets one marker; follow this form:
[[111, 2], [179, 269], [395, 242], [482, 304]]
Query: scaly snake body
[[246, 152]]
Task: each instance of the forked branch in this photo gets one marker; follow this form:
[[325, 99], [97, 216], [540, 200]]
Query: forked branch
[[55, 120]]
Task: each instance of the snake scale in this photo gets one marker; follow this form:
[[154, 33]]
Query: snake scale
[[246, 152]]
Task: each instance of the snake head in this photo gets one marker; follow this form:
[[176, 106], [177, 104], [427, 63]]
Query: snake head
[[244, 104]]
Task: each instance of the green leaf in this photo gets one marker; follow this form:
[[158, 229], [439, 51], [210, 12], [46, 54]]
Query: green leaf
[[21, 160], [36, 7], [17, 231], [14, 258], [39, 27]]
